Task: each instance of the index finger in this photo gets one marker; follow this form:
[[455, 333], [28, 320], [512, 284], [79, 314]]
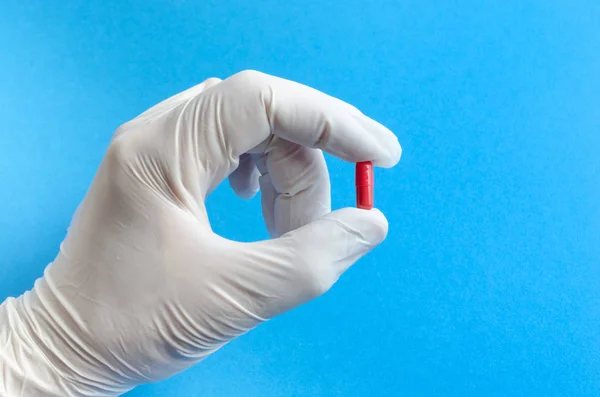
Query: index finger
[[308, 117]]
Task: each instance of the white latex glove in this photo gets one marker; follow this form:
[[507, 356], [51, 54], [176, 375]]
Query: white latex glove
[[142, 288]]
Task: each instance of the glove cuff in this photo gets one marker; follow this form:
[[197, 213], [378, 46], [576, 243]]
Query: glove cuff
[[24, 370]]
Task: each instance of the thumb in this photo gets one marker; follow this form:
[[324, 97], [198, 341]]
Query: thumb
[[328, 246], [303, 264]]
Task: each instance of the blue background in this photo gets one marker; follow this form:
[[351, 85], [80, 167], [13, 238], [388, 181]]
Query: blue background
[[489, 282]]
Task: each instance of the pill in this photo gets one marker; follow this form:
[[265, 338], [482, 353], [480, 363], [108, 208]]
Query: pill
[[364, 185]]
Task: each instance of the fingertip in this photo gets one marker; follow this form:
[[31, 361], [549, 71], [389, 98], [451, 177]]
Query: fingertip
[[248, 192], [383, 141], [372, 224], [393, 155], [378, 222], [245, 179]]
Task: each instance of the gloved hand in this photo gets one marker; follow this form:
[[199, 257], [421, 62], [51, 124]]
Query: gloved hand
[[142, 288]]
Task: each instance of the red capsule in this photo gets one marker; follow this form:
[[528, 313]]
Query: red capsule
[[364, 185]]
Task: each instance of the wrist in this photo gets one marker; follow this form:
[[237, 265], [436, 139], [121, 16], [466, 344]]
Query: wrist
[[24, 370], [40, 354]]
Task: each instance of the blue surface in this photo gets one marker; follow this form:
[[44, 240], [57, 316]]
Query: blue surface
[[489, 282]]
